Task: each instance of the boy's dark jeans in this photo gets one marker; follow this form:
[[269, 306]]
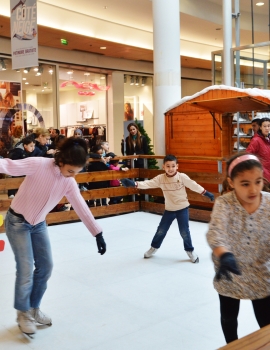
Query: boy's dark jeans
[[229, 309], [182, 217]]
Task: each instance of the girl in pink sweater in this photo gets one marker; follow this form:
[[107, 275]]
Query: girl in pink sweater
[[46, 182]]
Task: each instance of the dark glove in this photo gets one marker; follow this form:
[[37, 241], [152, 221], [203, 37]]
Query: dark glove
[[101, 243], [227, 264], [128, 183], [209, 195]]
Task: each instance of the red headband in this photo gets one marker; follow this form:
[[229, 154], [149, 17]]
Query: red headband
[[241, 159]]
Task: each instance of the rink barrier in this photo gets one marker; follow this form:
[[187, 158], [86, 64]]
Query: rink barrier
[[200, 209], [259, 340]]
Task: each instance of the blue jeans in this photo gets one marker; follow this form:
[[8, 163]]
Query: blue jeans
[[31, 247], [182, 217]]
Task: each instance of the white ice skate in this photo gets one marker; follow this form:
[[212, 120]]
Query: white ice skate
[[193, 256], [26, 323], [150, 252], [40, 317]]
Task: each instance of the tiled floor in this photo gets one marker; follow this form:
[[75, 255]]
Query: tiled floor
[[120, 301]]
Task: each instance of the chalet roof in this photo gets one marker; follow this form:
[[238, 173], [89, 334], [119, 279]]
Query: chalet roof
[[231, 104]]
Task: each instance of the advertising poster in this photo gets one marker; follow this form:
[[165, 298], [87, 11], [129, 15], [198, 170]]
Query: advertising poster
[[24, 39], [10, 116]]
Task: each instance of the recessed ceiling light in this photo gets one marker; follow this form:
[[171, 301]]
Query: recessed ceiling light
[[36, 69], [259, 3], [103, 47], [70, 72], [86, 73], [23, 78], [102, 77], [26, 83]]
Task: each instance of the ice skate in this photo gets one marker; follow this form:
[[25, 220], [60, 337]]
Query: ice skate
[[150, 252], [40, 317], [193, 256], [26, 323]]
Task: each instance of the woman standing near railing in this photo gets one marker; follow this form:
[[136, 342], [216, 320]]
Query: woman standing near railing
[[136, 144]]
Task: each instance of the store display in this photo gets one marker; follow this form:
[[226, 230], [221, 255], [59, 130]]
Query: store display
[[242, 131]]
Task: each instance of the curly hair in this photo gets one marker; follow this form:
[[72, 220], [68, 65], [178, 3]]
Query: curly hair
[[17, 131]]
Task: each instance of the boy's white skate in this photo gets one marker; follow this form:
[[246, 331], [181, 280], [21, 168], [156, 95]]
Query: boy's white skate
[[150, 252], [26, 323], [193, 256], [40, 317]]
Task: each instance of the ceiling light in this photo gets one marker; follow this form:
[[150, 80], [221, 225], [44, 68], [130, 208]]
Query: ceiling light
[[2, 65], [26, 70], [125, 79], [51, 70], [132, 80], [260, 4], [137, 81], [86, 74], [26, 83], [70, 72], [143, 81], [36, 69], [102, 77], [103, 47], [23, 78], [40, 70]]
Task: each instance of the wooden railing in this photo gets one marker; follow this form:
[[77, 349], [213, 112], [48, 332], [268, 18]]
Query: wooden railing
[[259, 340], [200, 214]]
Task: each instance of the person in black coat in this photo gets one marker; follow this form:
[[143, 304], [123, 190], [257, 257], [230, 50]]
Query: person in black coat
[[42, 136], [97, 166], [136, 144], [24, 149]]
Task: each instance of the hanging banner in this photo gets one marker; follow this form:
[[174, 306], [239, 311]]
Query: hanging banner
[[23, 28]]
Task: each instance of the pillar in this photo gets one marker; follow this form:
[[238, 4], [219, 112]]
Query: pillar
[[227, 42], [167, 79]]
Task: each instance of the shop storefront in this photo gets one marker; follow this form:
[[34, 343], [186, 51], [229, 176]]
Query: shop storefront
[[67, 97]]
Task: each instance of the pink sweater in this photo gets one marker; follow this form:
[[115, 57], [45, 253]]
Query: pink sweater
[[114, 183], [43, 187]]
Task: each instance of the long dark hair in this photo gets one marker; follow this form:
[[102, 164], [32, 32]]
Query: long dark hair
[[72, 151], [138, 140]]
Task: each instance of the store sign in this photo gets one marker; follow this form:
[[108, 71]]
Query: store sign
[[23, 28]]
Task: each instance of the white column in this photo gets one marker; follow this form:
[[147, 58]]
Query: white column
[[115, 128], [167, 80], [227, 42]]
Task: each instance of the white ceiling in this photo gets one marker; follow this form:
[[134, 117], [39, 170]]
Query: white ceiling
[[199, 18], [200, 21]]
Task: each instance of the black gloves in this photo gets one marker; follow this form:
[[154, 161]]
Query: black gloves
[[128, 183], [101, 243], [227, 264], [209, 195]]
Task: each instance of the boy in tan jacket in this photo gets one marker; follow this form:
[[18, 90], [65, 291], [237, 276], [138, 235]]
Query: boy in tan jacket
[[173, 185]]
